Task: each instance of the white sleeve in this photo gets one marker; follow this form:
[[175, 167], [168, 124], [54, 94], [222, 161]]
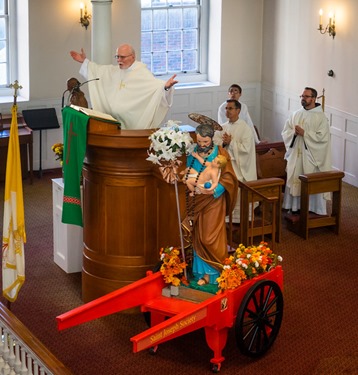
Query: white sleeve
[[84, 69], [168, 96]]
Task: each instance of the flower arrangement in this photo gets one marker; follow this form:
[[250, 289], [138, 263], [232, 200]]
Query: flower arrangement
[[246, 263], [57, 148], [169, 143], [172, 267]]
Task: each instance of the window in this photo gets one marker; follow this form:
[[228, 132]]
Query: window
[[8, 46], [4, 44], [173, 33]]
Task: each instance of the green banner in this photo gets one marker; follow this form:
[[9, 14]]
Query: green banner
[[75, 141]]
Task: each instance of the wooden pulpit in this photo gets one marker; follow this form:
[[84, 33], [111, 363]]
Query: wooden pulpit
[[129, 211]]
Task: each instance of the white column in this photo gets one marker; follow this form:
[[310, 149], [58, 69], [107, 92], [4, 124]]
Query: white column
[[102, 32]]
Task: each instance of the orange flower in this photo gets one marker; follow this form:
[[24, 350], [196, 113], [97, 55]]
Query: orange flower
[[246, 263], [172, 266]]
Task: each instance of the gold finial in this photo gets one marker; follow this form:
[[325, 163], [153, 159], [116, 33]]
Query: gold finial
[[16, 87]]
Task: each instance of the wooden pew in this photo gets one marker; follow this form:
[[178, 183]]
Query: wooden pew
[[315, 183], [268, 220], [270, 160]]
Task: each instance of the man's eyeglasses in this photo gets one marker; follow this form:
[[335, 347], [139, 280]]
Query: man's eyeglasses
[[306, 96], [121, 57]]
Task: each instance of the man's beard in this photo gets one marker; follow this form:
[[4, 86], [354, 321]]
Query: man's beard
[[204, 150], [303, 103]]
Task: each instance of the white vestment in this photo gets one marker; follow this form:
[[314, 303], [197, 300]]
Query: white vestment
[[244, 115], [242, 153], [308, 154], [133, 96]]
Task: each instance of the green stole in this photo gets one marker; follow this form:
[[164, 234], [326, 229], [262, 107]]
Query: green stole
[[75, 141]]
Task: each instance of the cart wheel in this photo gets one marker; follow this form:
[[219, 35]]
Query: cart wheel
[[259, 318], [215, 368]]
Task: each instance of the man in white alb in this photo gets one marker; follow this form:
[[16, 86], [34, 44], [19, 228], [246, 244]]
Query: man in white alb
[[307, 139], [235, 92], [129, 92], [238, 139]]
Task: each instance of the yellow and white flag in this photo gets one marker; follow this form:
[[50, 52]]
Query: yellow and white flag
[[14, 236]]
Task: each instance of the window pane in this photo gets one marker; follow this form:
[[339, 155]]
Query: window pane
[[146, 42], [189, 39], [174, 40], [159, 3], [159, 63], [159, 42], [2, 28], [145, 3], [174, 2], [2, 7], [3, 53], [189, 61], [190, 18], [146, 20], [174, 61], [147, 60], [175, 19], [159, 19]]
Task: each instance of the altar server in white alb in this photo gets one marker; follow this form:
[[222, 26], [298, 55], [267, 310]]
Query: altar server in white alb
[[234, 93], [307, 139], [129, 92], [238, 139]]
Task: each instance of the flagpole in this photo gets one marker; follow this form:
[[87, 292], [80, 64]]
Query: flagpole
[[16, 87], [14, 235]]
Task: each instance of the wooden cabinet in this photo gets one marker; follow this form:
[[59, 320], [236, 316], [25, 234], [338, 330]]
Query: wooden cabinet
[[26, 146]]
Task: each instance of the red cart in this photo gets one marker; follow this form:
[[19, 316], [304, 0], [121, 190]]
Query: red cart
[[254, 309]]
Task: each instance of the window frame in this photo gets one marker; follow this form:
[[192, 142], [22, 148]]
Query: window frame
[[203, 49], [12, 54]]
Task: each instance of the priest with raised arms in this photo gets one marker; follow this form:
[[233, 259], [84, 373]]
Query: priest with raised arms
[[129, 92]]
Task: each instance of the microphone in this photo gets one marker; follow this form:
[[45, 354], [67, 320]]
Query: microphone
[[83, 83], [76, 87]]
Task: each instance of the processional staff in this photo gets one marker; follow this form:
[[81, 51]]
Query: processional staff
[[16, 87]]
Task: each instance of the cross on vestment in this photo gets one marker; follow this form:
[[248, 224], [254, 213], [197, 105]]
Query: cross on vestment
[[70, 134], [122, 85], [16, 87]]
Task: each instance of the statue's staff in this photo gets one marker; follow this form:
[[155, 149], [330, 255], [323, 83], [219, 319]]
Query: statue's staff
[[16, 87]]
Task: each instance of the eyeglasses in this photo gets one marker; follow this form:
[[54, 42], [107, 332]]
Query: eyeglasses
[[230, 108], [306, 96], [121, 57]]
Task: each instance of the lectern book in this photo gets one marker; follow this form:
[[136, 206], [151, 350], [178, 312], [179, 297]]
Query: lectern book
[[95, 114]]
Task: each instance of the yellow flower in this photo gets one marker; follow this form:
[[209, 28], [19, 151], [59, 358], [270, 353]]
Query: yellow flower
[[246, 263], [57, 148]]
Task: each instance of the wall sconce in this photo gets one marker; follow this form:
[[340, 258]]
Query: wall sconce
[[331, 27], [84, 16]]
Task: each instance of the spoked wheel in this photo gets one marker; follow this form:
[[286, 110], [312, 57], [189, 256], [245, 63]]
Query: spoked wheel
[[259, 318]]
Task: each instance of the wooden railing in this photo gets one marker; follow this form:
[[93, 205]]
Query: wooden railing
[[260, 210], [21, 352]]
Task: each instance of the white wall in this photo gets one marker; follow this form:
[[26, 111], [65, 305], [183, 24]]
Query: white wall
[[296, 55]]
